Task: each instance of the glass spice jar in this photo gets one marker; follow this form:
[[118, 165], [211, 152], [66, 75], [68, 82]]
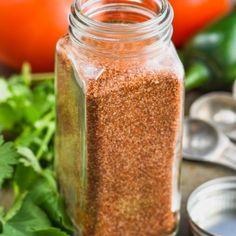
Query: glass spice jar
[[119, 118]]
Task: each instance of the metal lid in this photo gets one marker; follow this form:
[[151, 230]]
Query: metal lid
[[212, 208]]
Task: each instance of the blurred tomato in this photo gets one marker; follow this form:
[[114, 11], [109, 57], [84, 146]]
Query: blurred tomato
[[192, 15], [30, 30]]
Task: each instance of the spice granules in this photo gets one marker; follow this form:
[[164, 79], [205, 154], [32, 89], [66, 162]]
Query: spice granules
[[121, 174], [131, 147]]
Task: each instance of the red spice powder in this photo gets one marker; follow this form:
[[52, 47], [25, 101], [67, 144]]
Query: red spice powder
[[117, 144]]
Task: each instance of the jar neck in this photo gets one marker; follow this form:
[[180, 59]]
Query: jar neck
[[121, 27]]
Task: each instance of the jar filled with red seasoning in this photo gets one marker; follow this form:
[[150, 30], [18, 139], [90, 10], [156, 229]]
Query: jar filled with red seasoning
[[119, 118]]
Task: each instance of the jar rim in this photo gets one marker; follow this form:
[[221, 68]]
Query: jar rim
[[156, 19], [158, 26]]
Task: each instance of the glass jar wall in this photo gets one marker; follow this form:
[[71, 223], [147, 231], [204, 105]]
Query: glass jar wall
[[119, 118]]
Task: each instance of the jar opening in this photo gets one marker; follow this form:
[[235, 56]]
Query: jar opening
[[124, 12], [142, 22]]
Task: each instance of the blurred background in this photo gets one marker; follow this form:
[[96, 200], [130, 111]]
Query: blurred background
[[30, 28]]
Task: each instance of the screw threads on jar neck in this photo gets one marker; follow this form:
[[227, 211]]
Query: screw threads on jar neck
[[121, 26]]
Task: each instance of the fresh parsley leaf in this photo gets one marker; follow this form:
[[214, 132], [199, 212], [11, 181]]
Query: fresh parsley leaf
[[15, 207], [42, 101], [24, 177], [38, 211], [29, 159], [4, 91], [26, 221], [27, 115], [44, 193], [7, 119], [42, 190], [8, 158]]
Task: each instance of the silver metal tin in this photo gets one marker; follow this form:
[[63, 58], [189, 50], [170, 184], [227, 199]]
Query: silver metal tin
[[212, 208]]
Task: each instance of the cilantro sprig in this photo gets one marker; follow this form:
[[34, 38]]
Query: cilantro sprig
[[27, 120]]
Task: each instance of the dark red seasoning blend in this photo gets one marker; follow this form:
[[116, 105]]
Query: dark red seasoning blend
[[119, 119]]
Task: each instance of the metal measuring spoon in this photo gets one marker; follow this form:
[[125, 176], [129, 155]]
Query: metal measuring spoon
[[203, 142], [218, 108]]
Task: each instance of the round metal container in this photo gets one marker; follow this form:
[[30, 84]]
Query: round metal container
[[212, 208]]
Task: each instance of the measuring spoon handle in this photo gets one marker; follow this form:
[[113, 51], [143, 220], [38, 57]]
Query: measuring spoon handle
[[228, 157]]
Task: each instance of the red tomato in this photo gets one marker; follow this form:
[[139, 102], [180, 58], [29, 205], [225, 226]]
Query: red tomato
[[192, 15], [30, 30]]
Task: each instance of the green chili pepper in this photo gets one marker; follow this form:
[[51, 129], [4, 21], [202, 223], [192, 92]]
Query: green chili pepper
[[210, 57]]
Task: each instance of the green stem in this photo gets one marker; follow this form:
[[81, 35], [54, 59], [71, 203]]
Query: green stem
[[196, 75], [42, 77], [46, 140]]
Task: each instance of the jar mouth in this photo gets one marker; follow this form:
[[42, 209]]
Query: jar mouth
[[121, 20], [153, 12]]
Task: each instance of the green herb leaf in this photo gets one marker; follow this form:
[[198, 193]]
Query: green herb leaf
[[29, 159], [8, 158], [7, 120], [27, 114], [24, 177], [4, 91], [45, 194], [28, 219]]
